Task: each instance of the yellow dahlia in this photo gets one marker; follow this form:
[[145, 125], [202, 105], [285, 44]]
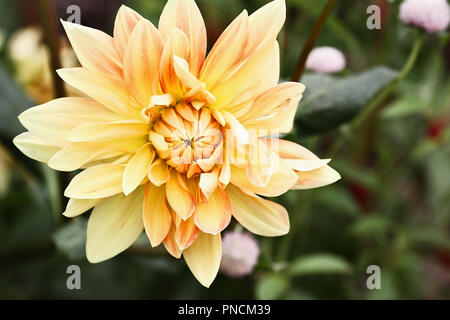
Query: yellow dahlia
[[171, 140]]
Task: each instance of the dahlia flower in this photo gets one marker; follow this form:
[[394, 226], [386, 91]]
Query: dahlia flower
[[240, 253], [431, 15], [326, 60], [172, 141]]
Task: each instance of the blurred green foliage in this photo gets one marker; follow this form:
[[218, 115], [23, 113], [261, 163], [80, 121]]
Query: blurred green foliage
[[391, 207]]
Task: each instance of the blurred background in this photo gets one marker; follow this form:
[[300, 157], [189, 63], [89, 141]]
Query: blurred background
[[391, 208]]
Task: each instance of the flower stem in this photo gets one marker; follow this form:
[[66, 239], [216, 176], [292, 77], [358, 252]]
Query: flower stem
[[381, 96], [310, 42]]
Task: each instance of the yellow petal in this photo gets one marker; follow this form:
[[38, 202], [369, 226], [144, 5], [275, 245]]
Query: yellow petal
[[215, 215], [185, 15], [180, 198], [208, 182], [159, 173], [53, 121], [126, 20], [177, 44], [316, 178], [227, 52], [292, 150], [34, 148], [96, 182], [306, 165], [75, 207], [94, 49], [137, 168], [157, 218], [114, 225], [170, 244], [141, 62], [203, 257], [262, 217], [158, 141], [106, 89], [186, 233], [108, 131]]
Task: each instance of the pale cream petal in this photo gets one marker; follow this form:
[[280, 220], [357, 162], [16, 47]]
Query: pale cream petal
[[137, 168], [106, 89], [292, 150], [114, 225], [126, 20], [33, 147], [262, 217], [101, 181], [141, 62], [203, 257], [215, 215], [306, 165], [179, 197], [185, 15], [316, 178], [94, 49], [53, 121], [76, 207], [209, 182], [157, 217], [108, 131]]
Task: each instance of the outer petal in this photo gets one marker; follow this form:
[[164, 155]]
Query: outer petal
[[75, 207], [157, 218], [108, 131], [170, 244], [203, 257], [94, 49], [34, 148], [180, 198], [137, 168], [259, 216], [186, 233], [114, 225], [185, 15], [227, 52], [52, 121], [96, 182], [108, 90], [316, 178], [124, 24], [215, 215], [141, 62]]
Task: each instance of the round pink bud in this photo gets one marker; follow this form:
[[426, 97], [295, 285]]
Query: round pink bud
[[240, 253], [431, 15], [325, 60]]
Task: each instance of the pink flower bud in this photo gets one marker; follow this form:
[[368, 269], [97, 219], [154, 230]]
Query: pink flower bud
[[240, 253], [326, 60], [431, 15]]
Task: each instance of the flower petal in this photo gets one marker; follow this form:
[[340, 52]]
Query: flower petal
[[203, 257], [215, 215], [137, 168], [180, 198], [258, 215], [108, 131], [209, 182], [157, 218], [159, 172], [170, 243], [100, 181], [316, 178], [126, 20], [75, 207], [185, 15], [186, 233], [141, 62], [35, 148], [94, 49], [114, 225]]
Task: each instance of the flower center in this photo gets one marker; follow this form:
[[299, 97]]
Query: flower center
[[190, 140]]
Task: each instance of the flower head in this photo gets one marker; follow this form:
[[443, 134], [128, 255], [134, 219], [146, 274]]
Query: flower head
[[171, 140], [431, 15], [326, 60], [240, 253]]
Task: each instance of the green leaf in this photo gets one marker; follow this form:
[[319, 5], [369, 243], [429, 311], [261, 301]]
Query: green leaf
[[319, 264], [272, 286], [331, 101], [371, 226]]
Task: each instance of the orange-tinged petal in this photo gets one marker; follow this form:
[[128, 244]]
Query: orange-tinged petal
[[108, 131], [185, 15], [34, 147], [179, 197], [126, 20], [106, 89], [316, 178], [215, 215], [227, 52], [94, 49], [159, 172], [203, 257], [141, 62], [186, 233], [137, 168], [170, 243], [96, 182], [75, 207], [177, 44], [258, 215], [157, 217], [114, 225]]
